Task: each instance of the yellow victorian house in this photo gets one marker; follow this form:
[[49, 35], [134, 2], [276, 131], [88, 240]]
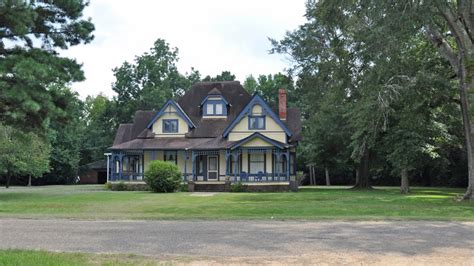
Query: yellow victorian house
[[215, 132]]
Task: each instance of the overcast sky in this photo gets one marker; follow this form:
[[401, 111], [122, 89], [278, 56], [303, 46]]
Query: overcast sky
[[211, 36]]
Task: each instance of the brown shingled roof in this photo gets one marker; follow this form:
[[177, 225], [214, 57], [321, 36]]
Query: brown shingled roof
[[208, 131], [232, 91], [123, 133]]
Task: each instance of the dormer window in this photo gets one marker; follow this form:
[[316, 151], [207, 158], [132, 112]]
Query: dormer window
[[214, 105], [215, 108]]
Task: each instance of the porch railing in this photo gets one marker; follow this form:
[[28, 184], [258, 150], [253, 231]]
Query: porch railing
[[126, 176], [259, 177]]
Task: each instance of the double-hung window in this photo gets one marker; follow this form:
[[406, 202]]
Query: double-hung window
[[171, 156], [214, 108], [256, 163], [170, 125], [256, 122]]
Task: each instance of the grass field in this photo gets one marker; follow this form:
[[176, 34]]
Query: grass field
[[93, 202], [30, 257]]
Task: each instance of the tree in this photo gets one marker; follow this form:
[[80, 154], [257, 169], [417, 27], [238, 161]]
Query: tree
[[338, 52], [99, 126], [267, 86], [148, 82], [39, 163], [224, 76], [30, 33], [16, 150], [448, 25], [67, 135]]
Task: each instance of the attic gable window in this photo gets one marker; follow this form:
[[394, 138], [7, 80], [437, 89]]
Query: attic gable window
[[256, 122], [170, 125]]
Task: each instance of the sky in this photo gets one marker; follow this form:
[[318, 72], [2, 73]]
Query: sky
[[211, 35]]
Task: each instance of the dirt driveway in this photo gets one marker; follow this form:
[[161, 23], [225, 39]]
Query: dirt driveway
[[272, 242]]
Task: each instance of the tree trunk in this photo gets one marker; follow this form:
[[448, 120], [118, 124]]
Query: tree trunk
[[363, 180], [466, 76], [328, 181], [405, 186], [9, 177], [357, 176], [29, 180], [314, 175]]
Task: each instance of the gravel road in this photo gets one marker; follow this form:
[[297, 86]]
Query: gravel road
[[397, 242]]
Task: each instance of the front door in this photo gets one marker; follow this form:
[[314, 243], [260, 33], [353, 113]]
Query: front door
[[212, 168]]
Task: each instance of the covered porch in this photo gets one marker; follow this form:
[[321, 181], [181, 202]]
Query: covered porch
[[247, 165]]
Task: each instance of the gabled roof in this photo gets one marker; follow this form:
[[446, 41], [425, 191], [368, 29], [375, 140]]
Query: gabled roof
[[260, 136], [232, 91], [179, 110], [137, 133], [256, 99]]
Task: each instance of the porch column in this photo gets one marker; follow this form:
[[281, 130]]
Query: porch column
[[235, 157], [108, 165], [288, 165], [227, 163], [277, 164], [120, 165], [193, 155], [185, 164]]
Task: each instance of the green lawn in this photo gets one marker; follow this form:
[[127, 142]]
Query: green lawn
[[93, 202], [31, 257]]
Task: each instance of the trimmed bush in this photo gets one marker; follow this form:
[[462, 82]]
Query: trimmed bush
[[120, 186], [238, 187], [163, 176]]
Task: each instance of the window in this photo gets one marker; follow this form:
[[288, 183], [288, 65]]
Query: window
[[209, 109], [215, 108], [170, 125], [280, 166], [256, 122], [292, 163], [171, 156], [256, 163], [234, 165], [219, 109]]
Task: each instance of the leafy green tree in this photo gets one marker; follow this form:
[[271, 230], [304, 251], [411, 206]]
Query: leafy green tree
[[66, 136], [99, 129], [30, 34], [224, 76], [268, 85], [149, 81], [382, 28], [337, 53], [22, 154], [39, 163]]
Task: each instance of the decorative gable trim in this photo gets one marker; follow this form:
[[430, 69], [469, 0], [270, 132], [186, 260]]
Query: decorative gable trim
[[261, 136], [256, 99], [179, 111]]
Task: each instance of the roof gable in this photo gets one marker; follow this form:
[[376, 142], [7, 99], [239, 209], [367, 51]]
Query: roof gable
[[259, 136], [256, 99], [179, 111]]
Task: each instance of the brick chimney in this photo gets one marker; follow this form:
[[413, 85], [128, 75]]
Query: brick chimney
[[282, 104]]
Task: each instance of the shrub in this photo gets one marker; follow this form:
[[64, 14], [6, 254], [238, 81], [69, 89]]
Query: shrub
[[108, 186], [183, 187], [163, 176], [237, 187], [120, 186]]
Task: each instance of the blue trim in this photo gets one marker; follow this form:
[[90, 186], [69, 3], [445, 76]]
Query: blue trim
[[214, 102], [256, 99], [170, 120], [215, 96], [257, 116], [179, 111], [258, 135]]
